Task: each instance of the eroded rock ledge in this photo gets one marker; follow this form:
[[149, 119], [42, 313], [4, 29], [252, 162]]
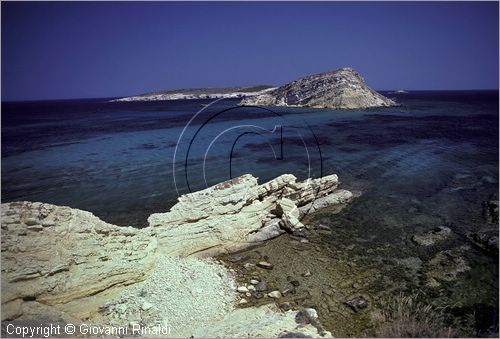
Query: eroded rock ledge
[[56, 257], [239, 213]]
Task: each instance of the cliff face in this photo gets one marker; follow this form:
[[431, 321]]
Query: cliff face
[[340, 89]]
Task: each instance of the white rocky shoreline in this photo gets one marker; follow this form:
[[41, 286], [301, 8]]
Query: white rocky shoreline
[[189, 95], [66, 265]]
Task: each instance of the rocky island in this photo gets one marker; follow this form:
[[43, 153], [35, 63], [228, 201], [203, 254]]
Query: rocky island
[[63, 265], [343, 88]]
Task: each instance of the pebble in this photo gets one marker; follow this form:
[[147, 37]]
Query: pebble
[[286, 306], [249, 265], [35, 228], [31, 221], [121, 308], [146, 305], [274, 294], [265, 264], [251, 288], [357, 303], [254, 282], [307, 274], [235, 258], [257, 295], [248, 294], [261, 286], [306, 316], [243, 301], [7, 220], [323, 227], [48, 223], [242, 289], [304, 241], [299, 232]]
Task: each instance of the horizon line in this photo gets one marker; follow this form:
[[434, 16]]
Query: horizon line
[[126, 96]]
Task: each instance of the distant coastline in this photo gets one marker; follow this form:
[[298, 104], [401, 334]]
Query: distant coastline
[[200, 93]]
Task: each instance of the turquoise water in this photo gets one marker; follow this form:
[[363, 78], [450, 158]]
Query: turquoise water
[[116, 159]]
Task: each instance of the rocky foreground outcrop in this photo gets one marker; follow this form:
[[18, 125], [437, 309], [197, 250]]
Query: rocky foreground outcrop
[[343, 88], [487, 236], [55, 254], [61, 261], [240, 213]]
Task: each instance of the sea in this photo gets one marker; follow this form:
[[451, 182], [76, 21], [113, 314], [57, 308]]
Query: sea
[[432, 161]]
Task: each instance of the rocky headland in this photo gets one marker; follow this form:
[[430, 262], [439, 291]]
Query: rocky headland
[[343, 88], [65, 265]]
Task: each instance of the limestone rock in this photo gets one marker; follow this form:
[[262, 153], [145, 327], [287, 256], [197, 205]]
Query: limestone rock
[[261, 286], [146, 306], [357, 303], [242, 289], [338, 198], [491, 209], [486, 238], [430, 238], [446, 265], [239, 213], [265, 264], [274, 294], [289, 214], [78, 256], [306, 316], [343, 88]]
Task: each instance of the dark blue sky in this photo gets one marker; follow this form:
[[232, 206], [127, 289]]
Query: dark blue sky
[[103, 49]]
